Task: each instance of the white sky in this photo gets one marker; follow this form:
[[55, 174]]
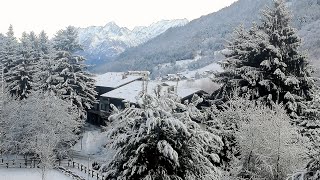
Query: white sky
[[52, 15]]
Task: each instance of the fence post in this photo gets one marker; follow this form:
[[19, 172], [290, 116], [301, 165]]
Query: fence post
[[73, 164], [81, 168]]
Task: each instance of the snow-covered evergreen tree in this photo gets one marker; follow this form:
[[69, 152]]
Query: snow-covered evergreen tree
[[20, 77], [44, 43], [2, 42], [266, 63], [17, 71], [9, 49], [64, 74], [67, 40], [159, 140]]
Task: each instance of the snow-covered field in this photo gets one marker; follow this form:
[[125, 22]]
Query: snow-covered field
[[30, 174], [213, 67]]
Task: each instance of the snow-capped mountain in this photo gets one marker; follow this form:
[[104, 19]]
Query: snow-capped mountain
[[210, 32], [102, 43]]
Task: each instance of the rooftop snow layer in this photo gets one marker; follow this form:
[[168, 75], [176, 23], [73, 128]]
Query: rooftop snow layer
[[114, 79], [130, 91]]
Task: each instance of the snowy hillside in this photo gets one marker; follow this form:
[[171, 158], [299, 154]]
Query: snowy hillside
[[101, 43], [209, 33], [198, 67]]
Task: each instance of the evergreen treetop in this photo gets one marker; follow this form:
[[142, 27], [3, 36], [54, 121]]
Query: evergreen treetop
[[265, 62]]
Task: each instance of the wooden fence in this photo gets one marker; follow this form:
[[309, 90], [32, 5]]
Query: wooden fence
[[92, 173], [20, 163], [35, 163]]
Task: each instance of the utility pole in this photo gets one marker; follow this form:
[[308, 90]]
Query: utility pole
[[145, 78], [1, 100], [2, 89]]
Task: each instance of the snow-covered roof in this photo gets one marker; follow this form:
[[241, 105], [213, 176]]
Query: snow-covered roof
[[114, 79], [130, 91]]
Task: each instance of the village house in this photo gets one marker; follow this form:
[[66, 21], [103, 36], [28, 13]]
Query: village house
[[121, 88], [105, 83]]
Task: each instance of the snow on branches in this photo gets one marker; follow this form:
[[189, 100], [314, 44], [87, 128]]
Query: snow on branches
[[159, 140]]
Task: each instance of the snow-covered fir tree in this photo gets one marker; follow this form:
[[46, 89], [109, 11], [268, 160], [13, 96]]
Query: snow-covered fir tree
[[17, 72], [159, 140], [9, 49], [2, 42], [44, 43], [64, 74], [67, 40], [20, 77], [266, 63]]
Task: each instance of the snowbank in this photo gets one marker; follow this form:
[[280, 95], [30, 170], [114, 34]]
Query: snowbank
[[30, 174]]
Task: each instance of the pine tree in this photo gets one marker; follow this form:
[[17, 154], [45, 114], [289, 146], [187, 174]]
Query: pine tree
[[10, 48], [20, 77], [44, 43], [36, 52], [16, 66], [266, 63], [160, 140], [67, 40], [64, 74]]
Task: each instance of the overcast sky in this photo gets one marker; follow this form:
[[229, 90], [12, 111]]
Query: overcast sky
[[52, 15]]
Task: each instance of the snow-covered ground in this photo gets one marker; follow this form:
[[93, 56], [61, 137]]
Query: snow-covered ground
[[213, 67], [90, 143], [30, 174], [182, 67], [94, 147]]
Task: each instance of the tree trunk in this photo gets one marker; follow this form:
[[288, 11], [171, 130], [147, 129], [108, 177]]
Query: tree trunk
[[43, 172]]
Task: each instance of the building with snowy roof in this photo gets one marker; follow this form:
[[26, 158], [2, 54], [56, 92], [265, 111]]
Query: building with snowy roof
[[130, 92], [113, 80], [121, 88], [105, 83]]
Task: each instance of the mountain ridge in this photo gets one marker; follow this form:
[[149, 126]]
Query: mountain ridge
[[102, 43], [209, 33]]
